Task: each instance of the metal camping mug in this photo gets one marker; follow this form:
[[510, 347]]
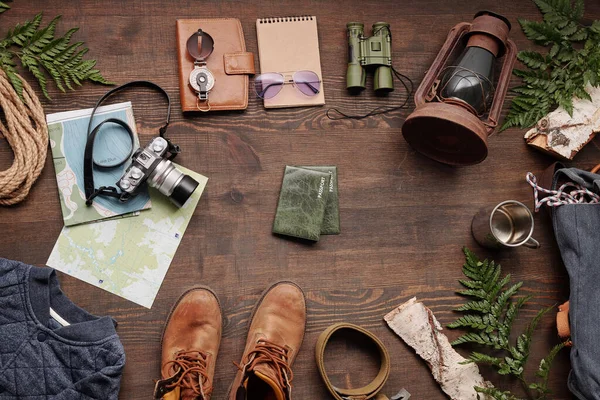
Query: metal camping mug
[[508, 224]]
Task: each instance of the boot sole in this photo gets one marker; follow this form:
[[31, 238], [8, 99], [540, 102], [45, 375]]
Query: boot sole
[[259, 302]]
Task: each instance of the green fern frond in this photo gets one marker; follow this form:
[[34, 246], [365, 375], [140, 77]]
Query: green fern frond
[[3, 7], [543, 371], [479, 338], [45, 55], [488, 318], [554, 78], [533, 59], [496, 394], [489, 311], [481, 358], [510, 316]]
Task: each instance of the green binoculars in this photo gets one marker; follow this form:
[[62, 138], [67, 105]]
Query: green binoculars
[[374, 51]]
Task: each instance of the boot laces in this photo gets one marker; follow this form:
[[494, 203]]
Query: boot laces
[[192, 367], [273, 354]]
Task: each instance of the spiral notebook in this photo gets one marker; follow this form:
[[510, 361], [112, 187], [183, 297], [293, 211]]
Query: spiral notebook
[[287, 45]]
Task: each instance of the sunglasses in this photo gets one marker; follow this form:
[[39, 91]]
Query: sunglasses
[[268, 85]]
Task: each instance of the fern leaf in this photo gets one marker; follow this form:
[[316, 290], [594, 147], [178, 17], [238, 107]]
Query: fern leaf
[[578, 10], [480, 358], [15, 81], [496, 394], [532, 59], [95, 76], [477, 293], [546, 362], [553, 79], [471, 284], [483, 306], [468, 321], [579, 35], [3, 7], [21, 33], [479, 338], [540, 33], [41, 38], [511, 366], [488, 320], [535, 321], [582, 94], [45, 54], [502, 300], [543, 371], [8, 66], [510, 316], [33, 66]]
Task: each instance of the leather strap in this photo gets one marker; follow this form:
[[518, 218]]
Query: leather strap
[[367, 392], [240, 63]]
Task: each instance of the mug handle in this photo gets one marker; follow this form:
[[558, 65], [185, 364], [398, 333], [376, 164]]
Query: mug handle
[[532, 243]]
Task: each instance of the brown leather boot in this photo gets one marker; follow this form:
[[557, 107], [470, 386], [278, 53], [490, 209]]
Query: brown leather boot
[[190, 344], [274, 339]]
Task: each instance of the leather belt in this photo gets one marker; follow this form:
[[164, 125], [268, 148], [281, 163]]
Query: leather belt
[[372, 389]]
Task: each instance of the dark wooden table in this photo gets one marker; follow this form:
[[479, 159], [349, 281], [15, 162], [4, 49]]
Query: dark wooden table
[[404, 217]]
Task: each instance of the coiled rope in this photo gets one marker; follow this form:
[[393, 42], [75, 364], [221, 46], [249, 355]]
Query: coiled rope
[[27, 135]]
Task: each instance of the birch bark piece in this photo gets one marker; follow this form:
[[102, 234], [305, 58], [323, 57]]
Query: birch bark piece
[[561, 135], [419, 328]]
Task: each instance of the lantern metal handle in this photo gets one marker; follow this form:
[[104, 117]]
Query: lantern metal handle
[[451, 41], [503, 83]]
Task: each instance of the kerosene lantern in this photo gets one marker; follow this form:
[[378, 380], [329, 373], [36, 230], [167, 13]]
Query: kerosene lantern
[[458, 104]]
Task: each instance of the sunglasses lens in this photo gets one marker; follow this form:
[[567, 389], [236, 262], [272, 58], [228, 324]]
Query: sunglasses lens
[[268, 85], [307, 82]]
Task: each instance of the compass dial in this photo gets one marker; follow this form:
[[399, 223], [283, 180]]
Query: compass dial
[[199, 74]]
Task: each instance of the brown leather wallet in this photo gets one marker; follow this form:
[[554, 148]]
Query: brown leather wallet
[[229, 62]]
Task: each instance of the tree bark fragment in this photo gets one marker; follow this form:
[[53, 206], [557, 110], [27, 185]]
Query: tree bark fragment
[[562, 135], [419, 328]]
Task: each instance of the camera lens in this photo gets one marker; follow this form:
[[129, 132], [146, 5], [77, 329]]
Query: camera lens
[[172, 183], [183, 190]]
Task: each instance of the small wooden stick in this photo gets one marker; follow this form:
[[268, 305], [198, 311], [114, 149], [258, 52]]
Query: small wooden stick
[[419, 328]]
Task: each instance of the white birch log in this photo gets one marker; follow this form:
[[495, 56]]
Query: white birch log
[[561, 135], [419, 328]]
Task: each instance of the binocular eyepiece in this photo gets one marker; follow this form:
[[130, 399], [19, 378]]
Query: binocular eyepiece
[[364, 52]]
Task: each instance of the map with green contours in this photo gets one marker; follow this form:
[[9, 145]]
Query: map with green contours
[[127, 256], [68, 137]]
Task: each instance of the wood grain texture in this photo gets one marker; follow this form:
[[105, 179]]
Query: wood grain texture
[[404, 218]]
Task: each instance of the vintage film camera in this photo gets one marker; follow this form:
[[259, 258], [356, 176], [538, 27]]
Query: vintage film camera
[[152, 165], [365, 52]]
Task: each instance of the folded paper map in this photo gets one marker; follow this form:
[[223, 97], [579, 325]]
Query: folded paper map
[[127, 256], [68, 136]]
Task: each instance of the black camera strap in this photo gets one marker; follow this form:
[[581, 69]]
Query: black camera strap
[[404, 80], [88, 157]]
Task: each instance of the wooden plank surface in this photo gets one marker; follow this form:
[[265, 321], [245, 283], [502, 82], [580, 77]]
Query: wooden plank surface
[[404, 217]]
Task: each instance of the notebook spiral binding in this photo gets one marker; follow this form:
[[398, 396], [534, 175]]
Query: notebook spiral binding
[[293, 18]]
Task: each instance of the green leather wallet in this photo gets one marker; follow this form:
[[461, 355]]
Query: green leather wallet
[[331, 218], [301, 205]]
